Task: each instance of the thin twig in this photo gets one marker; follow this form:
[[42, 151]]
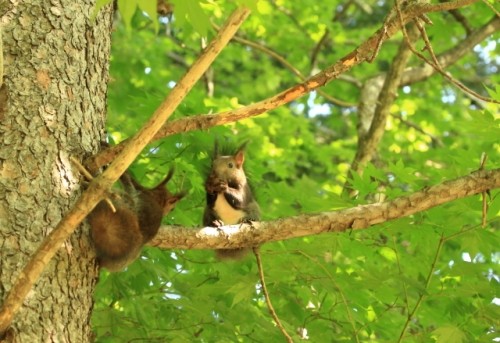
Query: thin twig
[[482, 163], [89, 178], [289, 14], [317, 48], [436, 140], [420, 299], [447, 58], [487, 3], [436, 67], [81, 169], [401, 276], [348, 308], [428, 45], [289, 66], [460, 18], [266, 295]]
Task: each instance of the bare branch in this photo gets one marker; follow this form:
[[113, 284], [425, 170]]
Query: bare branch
[[459, 17], [356, 218], [294, 70], [449, 57], [435, 65], [432, 271], [435, 139], [444, 6], [372, 87], [368, 143], [267, 297], [486, 2]]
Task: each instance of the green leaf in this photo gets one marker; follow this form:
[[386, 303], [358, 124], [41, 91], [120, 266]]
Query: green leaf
[[449, 334], [190, 11], [149, 6], [127, 9]]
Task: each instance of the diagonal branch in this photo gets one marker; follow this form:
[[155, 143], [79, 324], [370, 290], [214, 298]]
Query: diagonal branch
[[356, 218], [290, 67], [270, 306], [362, 53], [423, 294], [416, 74], [435, 64], [371, 88], [31, 272], [368, 143]]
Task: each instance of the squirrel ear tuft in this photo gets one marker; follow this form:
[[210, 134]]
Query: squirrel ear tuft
[[216, 152], [167, 178], [242, 147]]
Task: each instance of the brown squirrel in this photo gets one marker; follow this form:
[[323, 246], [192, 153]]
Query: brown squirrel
[[120, 235], [229, 197]]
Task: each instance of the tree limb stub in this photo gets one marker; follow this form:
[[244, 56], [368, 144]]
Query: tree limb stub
[[356, 218]]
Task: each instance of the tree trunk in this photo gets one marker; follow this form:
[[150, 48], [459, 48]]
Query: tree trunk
[[53, 106]]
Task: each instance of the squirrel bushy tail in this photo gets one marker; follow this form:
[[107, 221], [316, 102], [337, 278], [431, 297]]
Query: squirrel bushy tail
[[231, 254]]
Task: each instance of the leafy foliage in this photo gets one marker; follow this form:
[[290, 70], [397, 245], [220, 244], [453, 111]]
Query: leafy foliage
[[426, 278]]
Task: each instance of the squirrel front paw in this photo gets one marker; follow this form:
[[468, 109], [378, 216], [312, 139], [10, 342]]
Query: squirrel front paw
[[217, 223], [218, 186]]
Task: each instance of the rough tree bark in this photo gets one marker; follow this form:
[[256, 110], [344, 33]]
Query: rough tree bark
[[56, 71]]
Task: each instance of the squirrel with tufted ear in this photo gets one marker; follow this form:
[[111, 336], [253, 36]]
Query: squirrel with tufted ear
[[229, 197], [120, 233]]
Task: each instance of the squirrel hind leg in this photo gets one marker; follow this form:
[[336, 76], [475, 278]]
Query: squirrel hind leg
[[231, 254], [117, 238]]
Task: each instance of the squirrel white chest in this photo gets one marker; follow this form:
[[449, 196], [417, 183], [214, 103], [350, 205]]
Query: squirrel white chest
[[226, 212]]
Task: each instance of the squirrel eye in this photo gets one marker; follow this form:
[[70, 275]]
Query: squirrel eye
[[230, 164]]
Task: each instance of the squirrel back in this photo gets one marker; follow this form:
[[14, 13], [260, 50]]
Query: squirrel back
[[120, 235], [229, 197]]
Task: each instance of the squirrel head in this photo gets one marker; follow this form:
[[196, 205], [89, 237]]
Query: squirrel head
[[166, 199], [229, 167]]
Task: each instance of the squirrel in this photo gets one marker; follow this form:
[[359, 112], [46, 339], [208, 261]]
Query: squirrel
[[119, 233], [229, 197]]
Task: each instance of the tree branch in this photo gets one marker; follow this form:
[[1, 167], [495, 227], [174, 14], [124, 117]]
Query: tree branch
[[435, 139], [449, 57], [362, 53], [290, 67], [368, 143], [356, 218], [435, 63], [97, 188], [460, 18], [372, 87]]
